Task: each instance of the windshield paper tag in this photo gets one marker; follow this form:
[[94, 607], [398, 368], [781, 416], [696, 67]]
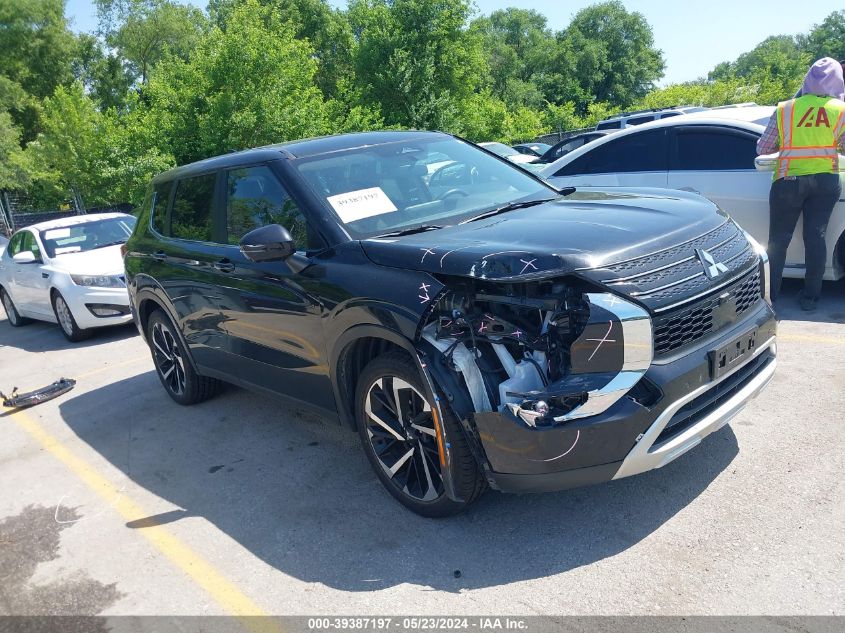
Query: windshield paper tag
[[364, 203], [55, 234]]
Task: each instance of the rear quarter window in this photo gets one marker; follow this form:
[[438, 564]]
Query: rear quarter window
[[161, 196]]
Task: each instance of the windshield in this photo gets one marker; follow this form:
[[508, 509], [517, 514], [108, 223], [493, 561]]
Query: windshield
[[433, 181], [78, 238]]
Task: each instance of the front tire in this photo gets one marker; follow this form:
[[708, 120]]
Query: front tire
[[67, 323], [12, 314], [173, 367], [397, 432]]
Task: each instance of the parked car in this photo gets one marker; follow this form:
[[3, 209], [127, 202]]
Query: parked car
[[532, 149], [639, 117], [68, 271], [707, 154], [568, 144], [500, 149], [479, 329]]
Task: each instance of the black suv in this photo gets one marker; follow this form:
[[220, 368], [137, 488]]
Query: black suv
[[474, 325]]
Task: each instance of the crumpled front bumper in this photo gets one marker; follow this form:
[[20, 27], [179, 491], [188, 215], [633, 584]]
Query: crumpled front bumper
[[630, 437]]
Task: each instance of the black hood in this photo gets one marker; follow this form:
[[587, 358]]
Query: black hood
[[590, 229]]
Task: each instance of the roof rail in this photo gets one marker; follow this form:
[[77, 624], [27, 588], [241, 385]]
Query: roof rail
[[647, 110]]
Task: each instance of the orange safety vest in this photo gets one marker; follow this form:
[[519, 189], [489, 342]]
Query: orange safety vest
[[809, 129]]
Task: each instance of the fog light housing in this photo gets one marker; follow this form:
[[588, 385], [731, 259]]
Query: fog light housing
[[105, 310]]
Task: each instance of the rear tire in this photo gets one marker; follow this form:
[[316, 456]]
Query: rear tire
[[410, 467], [173, 366], [12, 314], [67, 324]]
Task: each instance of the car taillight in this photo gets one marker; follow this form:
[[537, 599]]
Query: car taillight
[[123, 251]]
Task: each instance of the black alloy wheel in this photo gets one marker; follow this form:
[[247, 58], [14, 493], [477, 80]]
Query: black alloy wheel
[[168, 358], [174, 370], [397, 429], [401, 431]]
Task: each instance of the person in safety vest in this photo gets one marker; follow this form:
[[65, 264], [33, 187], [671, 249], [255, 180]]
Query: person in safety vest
[[808, 133]]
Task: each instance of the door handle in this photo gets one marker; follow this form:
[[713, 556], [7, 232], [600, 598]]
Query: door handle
[[160, 256], [691, 190], [224, 266]]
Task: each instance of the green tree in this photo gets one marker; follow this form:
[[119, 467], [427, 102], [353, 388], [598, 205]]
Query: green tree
[[826, 39], [35, 48], [142, 31], [249, 85], [326, 29], [65, 156], [415, 61], [609, 54], [103, 74], [12, 174], [517, 45]]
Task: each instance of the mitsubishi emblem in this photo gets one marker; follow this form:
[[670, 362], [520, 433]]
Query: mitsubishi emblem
[[711, 268]]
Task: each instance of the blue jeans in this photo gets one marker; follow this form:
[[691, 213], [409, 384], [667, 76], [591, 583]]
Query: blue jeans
[[815, 195]]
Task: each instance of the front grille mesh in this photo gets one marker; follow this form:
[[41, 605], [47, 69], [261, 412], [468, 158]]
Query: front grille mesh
[[671, 276], [689, 323], [644, 264]]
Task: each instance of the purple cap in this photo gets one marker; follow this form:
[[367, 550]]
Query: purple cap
[[824, 79]]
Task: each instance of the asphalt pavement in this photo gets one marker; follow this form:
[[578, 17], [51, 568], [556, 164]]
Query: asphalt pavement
[[115, 500]]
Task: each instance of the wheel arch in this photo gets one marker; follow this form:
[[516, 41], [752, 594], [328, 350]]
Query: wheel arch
[[355, 348], [147, 301]]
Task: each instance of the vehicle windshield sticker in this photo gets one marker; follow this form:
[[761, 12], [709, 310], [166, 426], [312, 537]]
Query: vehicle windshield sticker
[[360, 204], [55, 234], [68, 249]]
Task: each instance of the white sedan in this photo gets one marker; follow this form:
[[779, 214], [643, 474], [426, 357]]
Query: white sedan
[[68, 271], [710, 153]]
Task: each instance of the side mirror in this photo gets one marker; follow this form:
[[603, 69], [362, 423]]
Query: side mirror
[[271, 243], [26, 257]]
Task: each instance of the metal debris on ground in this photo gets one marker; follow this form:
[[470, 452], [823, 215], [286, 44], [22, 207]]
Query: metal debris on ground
[[31, 398]]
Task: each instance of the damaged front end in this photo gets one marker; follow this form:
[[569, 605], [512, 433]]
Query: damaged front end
[[523, 364]]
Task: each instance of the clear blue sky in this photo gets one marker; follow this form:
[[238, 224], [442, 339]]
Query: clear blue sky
[[694, 35]]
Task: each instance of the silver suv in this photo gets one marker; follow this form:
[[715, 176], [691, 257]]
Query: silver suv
[[627, 119]]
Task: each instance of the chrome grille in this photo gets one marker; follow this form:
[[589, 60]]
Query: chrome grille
[[670, 277], [649, 262], [685, 325]]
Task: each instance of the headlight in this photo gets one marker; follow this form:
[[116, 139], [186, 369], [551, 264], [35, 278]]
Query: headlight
[[99, 281]]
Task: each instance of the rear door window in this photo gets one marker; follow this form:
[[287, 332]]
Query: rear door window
[[713, 149], [191, 217], [641, 152]]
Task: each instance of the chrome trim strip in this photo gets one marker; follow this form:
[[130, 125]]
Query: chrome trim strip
[[673, 264], [645, 456], [732, 280], [637, 355], [633, 259], [674, 283], [648, 272]]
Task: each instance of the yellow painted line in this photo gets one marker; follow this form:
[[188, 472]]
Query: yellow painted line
[[131, 361], [223, 591], [811, 338]]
